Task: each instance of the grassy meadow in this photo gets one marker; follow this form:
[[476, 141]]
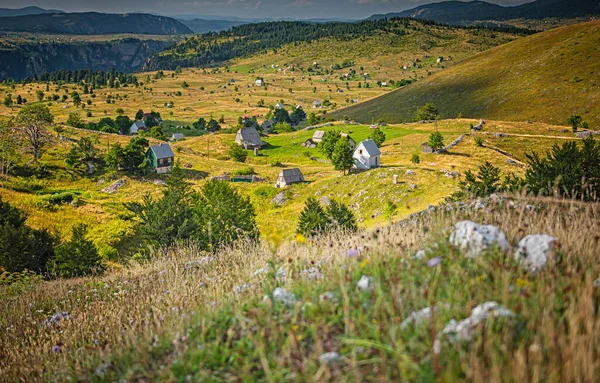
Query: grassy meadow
[[188, 316]]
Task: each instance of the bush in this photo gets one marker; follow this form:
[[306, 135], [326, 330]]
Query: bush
[[378, 136], [314, 220], [249, 171], [277, 164], [238, 153], [479, 141], [78, 257], [415, 159]]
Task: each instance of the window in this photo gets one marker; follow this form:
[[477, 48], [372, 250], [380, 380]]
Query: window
[[170, 160], [360, 151]]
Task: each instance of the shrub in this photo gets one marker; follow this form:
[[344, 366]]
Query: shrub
[[436, 141], [427, 112], [479, 141], [378, 136], [415, 159], [78, 257], [277, 164], [314, 220], [249, 171], [238, 153]]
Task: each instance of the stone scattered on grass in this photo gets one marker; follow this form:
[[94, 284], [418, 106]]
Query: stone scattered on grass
[[533, 251], [412, 186], [330, 358], [279, 199], [364, 283], [102, 369], [474, 239], [419, 254], [57, 318], [416, 318], [282, 295], [325, 201], [262, 270], [410, 173], [328, 297], [596, 283], [115, 186], [466, 329]]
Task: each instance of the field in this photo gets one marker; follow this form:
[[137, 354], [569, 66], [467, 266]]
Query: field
[[190, 317], [545, 78], [365, 192]]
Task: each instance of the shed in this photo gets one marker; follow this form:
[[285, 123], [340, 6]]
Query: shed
[[351, 142], [309, 144], [288, 177], [318, 136], [279, 105], [367, 155], [259, 82], [316, 104], [177, 136], [137, 126], [160, 158], [248, 138]]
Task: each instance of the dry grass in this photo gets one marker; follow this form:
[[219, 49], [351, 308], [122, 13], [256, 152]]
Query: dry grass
[[162, 321]]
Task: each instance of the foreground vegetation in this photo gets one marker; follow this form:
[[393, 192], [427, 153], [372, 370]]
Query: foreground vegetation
[[187, 315]]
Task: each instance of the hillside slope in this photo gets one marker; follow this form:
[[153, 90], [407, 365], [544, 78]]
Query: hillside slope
[[93, 23], [545, 77], [460, 12]]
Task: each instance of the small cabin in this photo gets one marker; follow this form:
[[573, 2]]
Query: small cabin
[[160, 158], [288, 177], [177, 136], [137, 126], [259, 82], [367, 155], [310, 144], [279, 105], [248, 138]]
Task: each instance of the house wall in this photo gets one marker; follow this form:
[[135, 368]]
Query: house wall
[[363, 162]]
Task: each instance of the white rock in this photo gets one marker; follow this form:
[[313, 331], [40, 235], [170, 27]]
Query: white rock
[[474, 239], [330, 358], [465, 329], [282, 295], [262, 270], [416, 317], [534, 250], [410, 173], [419, 254], [364, 283], [597, 283]]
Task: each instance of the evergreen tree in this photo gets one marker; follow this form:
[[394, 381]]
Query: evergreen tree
[[313, 219], [427, 112], [139, 115], [342, 159], [282, 115], [436, 141], [78, 257], [328, 142], [378, 136], [83, 153], [8, 101], [76, 99], [575, 121], [238, 153], [341, 217]]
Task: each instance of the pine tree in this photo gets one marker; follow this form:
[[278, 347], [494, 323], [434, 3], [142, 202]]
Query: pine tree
[[378, 136], [313, 219], [342, 156], [341, 217], [436, 141], [78, 257]]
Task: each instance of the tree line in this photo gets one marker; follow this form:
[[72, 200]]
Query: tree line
[[92, 78]]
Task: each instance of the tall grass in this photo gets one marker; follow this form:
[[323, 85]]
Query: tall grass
[[189, 316]]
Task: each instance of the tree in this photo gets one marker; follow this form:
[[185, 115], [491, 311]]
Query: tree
[[427, 112], [200, 124], [484, 183], [342, 156], [313, 220], [153, 119], [119, 111], [8, 101], [282, 127], [378, 136], [155, 132], [282, 115], [40, 95], [328, 142], [19, 100], [389, 210], [297, 116], [139, 115], [238, 153], [213, 125], [9, 151], [76, 99], [83, 153], [341, 217], [122, 124], [436, 141], [75, 120], [34, 120], [22, 248], [575, 121], [131, 158], [415, 159], [78, 257], [313, 119]]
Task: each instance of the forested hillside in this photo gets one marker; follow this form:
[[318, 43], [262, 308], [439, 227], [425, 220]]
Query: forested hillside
[[250, 39]]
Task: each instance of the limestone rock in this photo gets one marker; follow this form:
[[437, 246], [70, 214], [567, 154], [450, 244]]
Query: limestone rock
[[474, 239], [534, 250], [282, 295]]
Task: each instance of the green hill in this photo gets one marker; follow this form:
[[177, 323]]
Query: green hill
[[545, 77]]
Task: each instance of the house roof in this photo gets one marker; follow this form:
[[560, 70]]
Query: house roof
[[370, 147], [140, 124], [318, 134], [291, 174], [162, 151], [346, 136], [250, 135]]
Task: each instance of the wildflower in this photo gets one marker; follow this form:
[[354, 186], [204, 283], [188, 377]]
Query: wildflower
[[434, 262], [364, 263], [56, 348], [352, 253], [300, 238]]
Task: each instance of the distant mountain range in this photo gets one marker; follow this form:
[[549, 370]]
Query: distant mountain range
[[459, 12], [204, 26], [8, 12], [93, 23]]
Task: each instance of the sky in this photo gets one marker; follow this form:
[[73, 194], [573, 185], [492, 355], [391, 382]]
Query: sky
[[297, 9]]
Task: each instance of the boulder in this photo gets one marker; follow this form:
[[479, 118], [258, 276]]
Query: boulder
[[325, 201], [474, 239], [410, 172], [279, 199], [115, 186], [282, 295], [330, 358], [364, 283], [533, 251], [419, 254], [416, 318]]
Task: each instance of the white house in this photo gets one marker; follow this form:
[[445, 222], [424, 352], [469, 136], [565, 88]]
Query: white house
[[259, 82], [367, 155], [137, 126], [383, 83], [440, 59], [288, 177], [351, 142], [279, 105], [177, 136], [248, 138]]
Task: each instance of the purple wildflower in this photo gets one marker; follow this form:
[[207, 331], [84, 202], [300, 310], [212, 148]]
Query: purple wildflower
[[56, 348], [352, 253], [434, 262]]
